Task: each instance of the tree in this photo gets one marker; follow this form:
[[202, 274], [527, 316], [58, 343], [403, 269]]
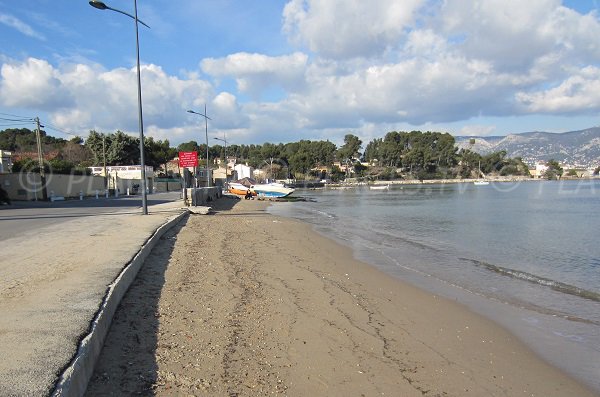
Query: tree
[[350, 149], [157, 153], [191, 146], [94, 144], [337, 174], [554, 170], [123, 150], [373, 151], [75, 152], [24, 140]]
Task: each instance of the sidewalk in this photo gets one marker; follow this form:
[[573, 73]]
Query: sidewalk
[[52, 284]]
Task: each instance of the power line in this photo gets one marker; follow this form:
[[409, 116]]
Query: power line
[[14, 115], [21, 120], [11, 124], [59, 130]]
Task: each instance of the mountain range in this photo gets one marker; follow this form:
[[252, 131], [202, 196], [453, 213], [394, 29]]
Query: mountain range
[[574, 148]]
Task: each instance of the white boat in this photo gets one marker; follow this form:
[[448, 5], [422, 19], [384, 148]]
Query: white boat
[[381, 187], [271, 190]]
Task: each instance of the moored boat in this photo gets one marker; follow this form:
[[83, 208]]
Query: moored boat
[[380, 187], [239, 189], [271, 190]]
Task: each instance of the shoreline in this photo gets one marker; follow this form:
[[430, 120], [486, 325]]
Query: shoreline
[[273, 306]]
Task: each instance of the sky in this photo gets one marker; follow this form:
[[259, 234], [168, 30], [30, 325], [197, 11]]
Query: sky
[[285, 70]]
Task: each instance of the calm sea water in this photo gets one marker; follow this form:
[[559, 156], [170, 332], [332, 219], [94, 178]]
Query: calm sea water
[[525, 254]]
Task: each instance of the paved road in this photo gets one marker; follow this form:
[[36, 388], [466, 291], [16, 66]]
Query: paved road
[[26, 216], [56, 263]]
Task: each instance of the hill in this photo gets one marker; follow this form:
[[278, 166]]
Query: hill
[[574, 148]]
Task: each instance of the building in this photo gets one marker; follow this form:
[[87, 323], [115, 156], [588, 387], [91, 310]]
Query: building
[[243, 171], [539, 170], [5, 162], [123, 178]]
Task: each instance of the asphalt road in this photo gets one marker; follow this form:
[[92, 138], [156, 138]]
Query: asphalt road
[[25, 216]]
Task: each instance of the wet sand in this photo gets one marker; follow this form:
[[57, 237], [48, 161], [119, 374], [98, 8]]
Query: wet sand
[[243, 303]]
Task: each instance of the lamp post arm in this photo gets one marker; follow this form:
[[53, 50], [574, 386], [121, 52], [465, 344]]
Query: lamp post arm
[[106, 7]]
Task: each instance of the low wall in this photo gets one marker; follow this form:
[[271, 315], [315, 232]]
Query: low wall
[[170, 186], [201, 195], [28, 186]]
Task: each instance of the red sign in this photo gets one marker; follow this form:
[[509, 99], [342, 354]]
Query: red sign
[[188, 159]]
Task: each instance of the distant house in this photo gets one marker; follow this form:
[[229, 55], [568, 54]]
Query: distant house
[[220, 177], [259, 175], [121, 177], [5, 162], [242, 171], [539, 170]]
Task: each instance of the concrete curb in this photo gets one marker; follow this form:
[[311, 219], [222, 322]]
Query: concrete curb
[[74, 379]]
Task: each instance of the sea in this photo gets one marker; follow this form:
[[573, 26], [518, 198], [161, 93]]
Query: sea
[[524, 254]]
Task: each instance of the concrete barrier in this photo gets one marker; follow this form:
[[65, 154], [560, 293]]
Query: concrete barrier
[[201, 195]]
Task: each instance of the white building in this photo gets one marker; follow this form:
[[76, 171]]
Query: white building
[[5, 162], [540, 169], [243, 171], [122, 177]]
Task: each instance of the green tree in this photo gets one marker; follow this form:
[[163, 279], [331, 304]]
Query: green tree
[[123, 150], [157, 153], [191, 146], [554, 170], [350, 149], [94, 144], [336, 174], [373, 150]]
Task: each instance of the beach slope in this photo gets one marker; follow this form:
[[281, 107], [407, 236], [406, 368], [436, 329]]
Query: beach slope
[[243, 303]]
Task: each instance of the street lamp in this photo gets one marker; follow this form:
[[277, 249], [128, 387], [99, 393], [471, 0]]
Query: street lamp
[[224, 140], [101, 6], [206, 118]]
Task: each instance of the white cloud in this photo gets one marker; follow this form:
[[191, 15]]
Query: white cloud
[[254, 73], [348, 28], [226, 112], [576, 94], [83, 97], [32, 83], [21, 26], [513, 34]]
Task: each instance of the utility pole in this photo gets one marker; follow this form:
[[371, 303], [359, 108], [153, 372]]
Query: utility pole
[[41, 159], [104, 155]]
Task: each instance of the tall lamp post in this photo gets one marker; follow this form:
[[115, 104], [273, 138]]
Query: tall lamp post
[[206, 118], [101, 6], [224, 140]]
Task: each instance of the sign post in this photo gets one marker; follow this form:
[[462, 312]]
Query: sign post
[[188, 159]]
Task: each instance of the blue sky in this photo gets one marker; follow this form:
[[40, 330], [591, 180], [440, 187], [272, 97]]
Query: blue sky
[[280, 71]]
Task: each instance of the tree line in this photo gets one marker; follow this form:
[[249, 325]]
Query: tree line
[[414, 154]]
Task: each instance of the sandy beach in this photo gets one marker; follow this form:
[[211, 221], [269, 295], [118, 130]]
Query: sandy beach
[[242, 303]]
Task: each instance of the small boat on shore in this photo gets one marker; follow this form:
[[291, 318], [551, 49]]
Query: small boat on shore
[[271, 190], [239, 189], [383, 187]]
